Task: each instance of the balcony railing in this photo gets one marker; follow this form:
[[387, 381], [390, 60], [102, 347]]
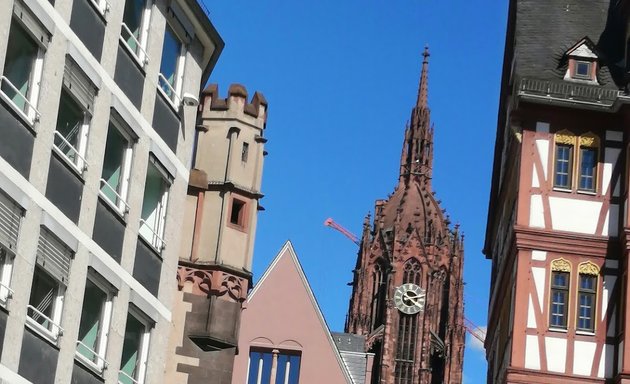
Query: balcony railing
[[126, 378], [139, 53], [28, 110], [156, 240], [52, 329], [5, 293], [120, 201], [565, 90], [79, 161], [166, 87], [100, 363]]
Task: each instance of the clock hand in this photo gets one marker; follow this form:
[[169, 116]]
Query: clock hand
[[412, 299]]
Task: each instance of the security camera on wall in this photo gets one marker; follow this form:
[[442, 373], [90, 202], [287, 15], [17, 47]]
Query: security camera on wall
[[190, 100]]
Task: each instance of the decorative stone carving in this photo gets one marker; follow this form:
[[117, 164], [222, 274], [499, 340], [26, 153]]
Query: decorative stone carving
[[560, 265], [213, 283], [588, 268], [565, 137]]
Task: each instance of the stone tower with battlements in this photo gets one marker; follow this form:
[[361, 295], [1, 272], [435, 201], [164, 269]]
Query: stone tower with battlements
[[407, 296], [214, 272]]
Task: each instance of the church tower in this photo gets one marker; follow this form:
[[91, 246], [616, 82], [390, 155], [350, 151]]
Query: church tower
[[407, 296]]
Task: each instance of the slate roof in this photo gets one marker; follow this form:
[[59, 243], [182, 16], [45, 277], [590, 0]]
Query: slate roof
[[545, 30]]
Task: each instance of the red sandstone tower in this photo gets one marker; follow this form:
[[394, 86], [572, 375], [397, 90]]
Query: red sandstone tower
[[407, 294]]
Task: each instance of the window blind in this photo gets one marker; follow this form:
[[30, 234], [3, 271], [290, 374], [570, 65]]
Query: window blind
[[53, 255], [33, 26], [79, 84], [10, 216]]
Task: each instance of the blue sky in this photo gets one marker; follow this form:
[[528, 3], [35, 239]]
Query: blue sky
[[341, 78]]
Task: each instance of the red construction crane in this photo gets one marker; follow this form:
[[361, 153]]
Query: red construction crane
[[331, 223], [473, 329]]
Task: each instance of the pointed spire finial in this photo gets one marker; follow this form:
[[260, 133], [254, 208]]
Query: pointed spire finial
[[424, 81]]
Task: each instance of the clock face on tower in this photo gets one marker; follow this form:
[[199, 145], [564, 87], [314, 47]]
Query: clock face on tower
[[409, 298]]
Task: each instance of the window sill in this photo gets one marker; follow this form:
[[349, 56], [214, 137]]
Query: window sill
[[44, 333], [585, 333], [152, 247], [561, 330], [121, 215], [88, 364], [134, 56], [101, 12], [586, 192], [169, 101], [560, 189], [69, 164], [30, 123]]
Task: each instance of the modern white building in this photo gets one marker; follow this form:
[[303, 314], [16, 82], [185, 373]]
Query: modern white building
[[97, 128]]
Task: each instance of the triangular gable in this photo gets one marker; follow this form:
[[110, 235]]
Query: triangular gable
[[282, 313], [583, 48]]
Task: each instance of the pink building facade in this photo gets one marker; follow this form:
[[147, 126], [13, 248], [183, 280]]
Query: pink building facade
[[284, 338]]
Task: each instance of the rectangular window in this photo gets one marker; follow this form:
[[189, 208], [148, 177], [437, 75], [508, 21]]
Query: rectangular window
[[94, 325], [22, 72], [50, 277], [583, 69], [586, 302], [559, 300], [172, 66], [72, 130], [135, 349], [237, 213], [245, 152], [588, 168], [117, 166], [153, 216], [261, 367], [564, 161], [135, 28], [10, 220]]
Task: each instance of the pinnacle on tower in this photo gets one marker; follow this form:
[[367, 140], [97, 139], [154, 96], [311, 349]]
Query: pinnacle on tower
[[424, 82]]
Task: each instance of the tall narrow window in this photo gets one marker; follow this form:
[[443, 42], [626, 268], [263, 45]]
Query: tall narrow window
[[153, 215], [564, 162], [245, 152], [587, 295], [378, 295], [262, 370], [19, 83], [117, 166], [135, 349], [407, 332], [588, 162], [72, 129], [172, 66], [49, 283], [559, 297], [237, 213], [10, 220], [94, 325], [135, 28]]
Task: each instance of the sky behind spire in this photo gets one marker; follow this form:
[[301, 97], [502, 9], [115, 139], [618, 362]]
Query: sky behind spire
[[341, 78]]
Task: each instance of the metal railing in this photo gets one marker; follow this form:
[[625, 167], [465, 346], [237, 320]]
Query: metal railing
[[157, 241], [80, 166], [52, 324], [144, 58], [568, 90], [173, 96], [27, 103], [9, 293], [100, 363], [120, 199], [126, 376], [99, 6]]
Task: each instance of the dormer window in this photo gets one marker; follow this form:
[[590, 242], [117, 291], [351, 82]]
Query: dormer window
[[582, 62]]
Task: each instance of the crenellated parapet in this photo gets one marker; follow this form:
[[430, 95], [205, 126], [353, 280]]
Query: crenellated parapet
[[235, 105]]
